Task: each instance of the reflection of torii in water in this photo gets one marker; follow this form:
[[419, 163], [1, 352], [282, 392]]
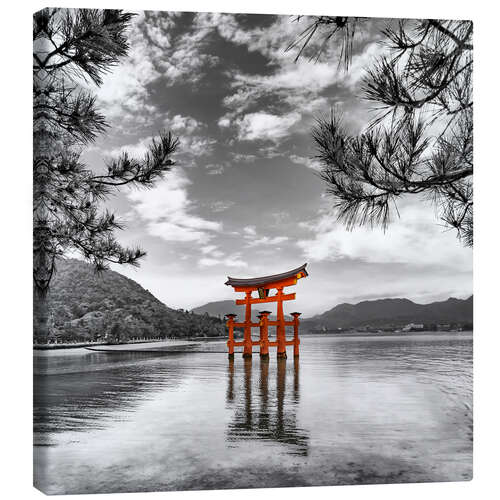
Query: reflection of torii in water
[[261, 424], [263, 285]]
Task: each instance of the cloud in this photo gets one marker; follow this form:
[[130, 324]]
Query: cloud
[[156, 52], [191, 144], [280, 217], [169, 212], [249, 231], [224, 122], [293, 85], [180, 123], [227, 262], [265, 126], [415, 239], [245, 158], [158, 27], [190, 147], [266, 240], [185, 59], [212, 250], [213, 169], [220, 206], [254, 240], [360, 62], [196, 145], [303, 75], [270, 40], [135, 150], [308, 162], [177, 231], [124, 93], [213, 256]]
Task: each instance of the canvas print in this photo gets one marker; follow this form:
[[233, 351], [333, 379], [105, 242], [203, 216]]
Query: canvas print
[[252, 250]]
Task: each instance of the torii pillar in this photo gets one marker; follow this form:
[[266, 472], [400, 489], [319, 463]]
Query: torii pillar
[[263, 285]]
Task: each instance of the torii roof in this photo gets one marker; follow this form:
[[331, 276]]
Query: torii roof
[[265, 280]]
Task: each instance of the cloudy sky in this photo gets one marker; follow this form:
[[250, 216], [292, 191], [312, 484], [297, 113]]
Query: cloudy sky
[[244, 198]]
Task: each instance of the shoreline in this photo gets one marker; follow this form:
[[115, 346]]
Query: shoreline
[[87, 348], [75, 345], [148, 345]]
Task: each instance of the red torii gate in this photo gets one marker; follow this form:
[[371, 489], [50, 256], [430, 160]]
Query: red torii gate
[[263, 285]]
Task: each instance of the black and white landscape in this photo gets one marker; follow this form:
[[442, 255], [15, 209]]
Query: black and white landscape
[[172, 150]]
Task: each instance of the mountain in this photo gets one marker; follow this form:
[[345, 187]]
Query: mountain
[[222, 307], [376, 313], [391, 312], [84, 305]]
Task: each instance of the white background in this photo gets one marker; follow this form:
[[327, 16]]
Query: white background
[[15, 245]]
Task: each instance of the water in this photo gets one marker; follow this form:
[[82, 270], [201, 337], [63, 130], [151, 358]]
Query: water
[[352, 410]]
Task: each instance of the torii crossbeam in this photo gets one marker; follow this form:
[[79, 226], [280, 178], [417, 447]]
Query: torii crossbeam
[[263, 286]]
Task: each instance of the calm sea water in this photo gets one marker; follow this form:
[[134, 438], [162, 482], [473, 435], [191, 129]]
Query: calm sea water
[[352, 410]]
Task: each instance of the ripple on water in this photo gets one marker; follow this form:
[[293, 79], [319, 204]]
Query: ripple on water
[[350, 410]]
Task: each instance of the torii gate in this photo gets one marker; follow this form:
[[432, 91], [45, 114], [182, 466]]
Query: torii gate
[[263, 285]]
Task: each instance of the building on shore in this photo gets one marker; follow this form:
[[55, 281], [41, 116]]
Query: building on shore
[[413, 327]]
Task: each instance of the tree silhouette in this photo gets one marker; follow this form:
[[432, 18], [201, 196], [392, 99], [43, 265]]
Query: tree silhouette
[[420, 140], [73, 49]]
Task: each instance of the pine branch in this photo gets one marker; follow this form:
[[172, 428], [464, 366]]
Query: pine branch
[[93, 40], [153, 166], [364, 174], [422, 86]]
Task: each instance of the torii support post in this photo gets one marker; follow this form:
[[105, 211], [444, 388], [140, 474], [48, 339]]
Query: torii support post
[[296, 340], [230, 342], [247, 336], [264, 334], [280, 327]]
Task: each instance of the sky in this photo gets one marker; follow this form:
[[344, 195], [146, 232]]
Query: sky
[[244, 198]]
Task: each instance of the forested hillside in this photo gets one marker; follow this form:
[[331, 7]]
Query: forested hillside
[[89, 306], [392, 312]]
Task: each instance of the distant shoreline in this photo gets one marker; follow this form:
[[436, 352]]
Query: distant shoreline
[[52, 347], [388, 333], [83, 350]]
